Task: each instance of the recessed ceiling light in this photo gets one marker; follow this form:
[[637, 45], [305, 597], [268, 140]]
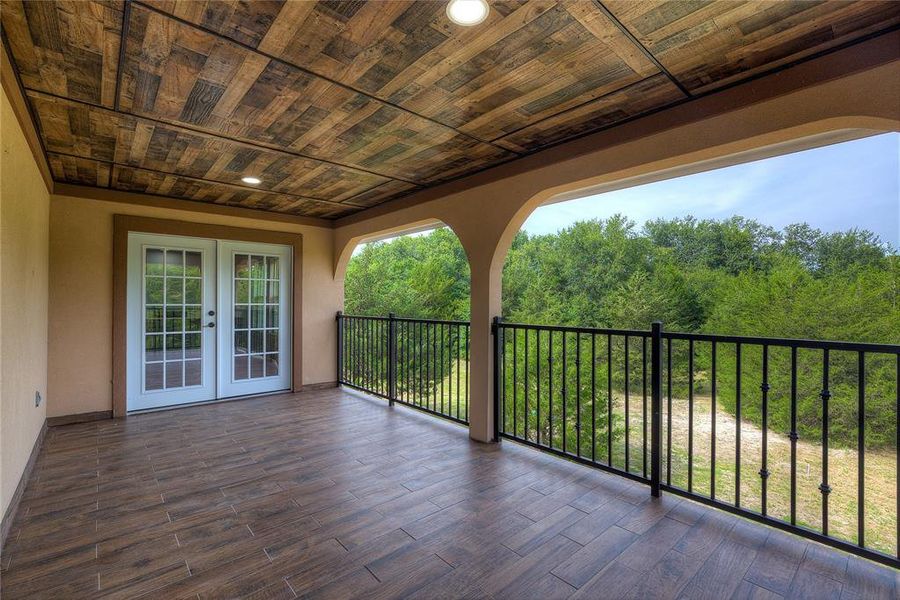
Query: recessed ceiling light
[[251, 180], [467, 12]]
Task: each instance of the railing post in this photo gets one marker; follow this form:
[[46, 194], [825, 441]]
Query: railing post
[[339, 317], [496, 332], [656, 405], [392, 358]]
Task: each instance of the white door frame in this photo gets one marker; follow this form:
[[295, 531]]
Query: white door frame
[[218, 380]]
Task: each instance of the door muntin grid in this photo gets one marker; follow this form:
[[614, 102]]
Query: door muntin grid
[[172, 318], [256, 281]]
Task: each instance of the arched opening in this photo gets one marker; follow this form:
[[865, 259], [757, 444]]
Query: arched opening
[[422, 274], [405, 334], [796, 245]]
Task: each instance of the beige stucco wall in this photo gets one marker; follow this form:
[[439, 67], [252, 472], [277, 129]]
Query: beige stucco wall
[[24, 227], [81, 279]]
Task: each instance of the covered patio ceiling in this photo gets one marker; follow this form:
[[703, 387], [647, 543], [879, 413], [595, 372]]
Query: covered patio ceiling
[[341, 106]]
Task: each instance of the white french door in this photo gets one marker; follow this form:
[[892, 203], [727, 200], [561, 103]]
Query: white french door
[[255, 349], [206, 319]]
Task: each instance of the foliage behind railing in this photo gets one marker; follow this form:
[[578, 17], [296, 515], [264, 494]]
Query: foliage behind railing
[[416, 362]]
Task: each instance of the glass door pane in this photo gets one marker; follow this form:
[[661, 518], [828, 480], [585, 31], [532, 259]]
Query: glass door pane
[[173, 314], [256, 301]]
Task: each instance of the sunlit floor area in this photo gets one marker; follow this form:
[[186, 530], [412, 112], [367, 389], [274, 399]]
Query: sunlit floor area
[[332, 494]]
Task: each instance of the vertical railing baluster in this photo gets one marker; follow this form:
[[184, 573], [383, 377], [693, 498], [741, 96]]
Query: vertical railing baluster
[[550, 386], [712, 445], [644, 406], [515, 380], [578, 394], [793, 435], [503, 355], [656, 407], [340, 347], [691, 415], [468, 365], [764, 471], [669, 411], [609, 401], [526, 368], [434, 367], [627, 409], [423, 362], [392, 358], [897, 453], [737, 424], [537, 363], [565, 408], [498, 361], [825, 395], [861, 451], [594, 397], [459, 329], [443, 363]]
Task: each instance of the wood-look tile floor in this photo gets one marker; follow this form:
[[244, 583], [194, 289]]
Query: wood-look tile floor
[[328, 494]]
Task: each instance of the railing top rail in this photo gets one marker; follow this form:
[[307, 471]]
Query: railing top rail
[[785, 342], [437, 321], [571, 329], [406, 319]]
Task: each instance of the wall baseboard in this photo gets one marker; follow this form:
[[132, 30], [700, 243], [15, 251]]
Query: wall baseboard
[[13, 507], [325, 385], [87, 417]]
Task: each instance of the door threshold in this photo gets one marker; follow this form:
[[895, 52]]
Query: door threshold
[[205, 402]]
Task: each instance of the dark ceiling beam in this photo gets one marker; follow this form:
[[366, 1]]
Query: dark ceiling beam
[[126, 14], [315, 74]]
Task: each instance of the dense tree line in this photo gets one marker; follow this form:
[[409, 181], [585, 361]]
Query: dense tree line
[[734, 276]]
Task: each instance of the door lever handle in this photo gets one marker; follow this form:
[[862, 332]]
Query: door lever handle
[[210, 324]]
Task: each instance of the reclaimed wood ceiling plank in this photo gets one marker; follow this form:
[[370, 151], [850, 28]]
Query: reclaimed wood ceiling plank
[[79, 129], [129, 179], [66, 48], [343, 105], [528, 61], [707, 45], [184, 79]]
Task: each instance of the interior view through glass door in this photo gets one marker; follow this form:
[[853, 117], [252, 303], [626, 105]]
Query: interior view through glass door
[[206, 320]]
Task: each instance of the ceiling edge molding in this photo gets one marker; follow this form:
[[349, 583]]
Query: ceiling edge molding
[[16, 94], [172, 203]]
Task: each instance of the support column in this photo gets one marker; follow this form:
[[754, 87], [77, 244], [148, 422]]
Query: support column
[[485, 305]]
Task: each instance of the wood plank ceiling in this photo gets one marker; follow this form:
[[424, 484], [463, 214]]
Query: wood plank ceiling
[[339, 106]]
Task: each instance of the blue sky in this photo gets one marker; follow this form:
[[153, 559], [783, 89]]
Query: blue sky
[[834, 188]]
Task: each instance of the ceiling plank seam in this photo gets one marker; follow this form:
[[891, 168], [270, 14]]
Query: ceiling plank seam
[[627, 33], [198, 131], [315, 74]]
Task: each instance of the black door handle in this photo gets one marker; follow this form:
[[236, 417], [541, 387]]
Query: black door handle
[[210, 324]]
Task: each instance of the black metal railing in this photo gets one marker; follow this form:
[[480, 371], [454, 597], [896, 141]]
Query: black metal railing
[[797, 434], [648, 405], [419, 363]]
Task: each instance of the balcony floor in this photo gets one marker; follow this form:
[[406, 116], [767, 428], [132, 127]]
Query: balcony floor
[[329, 494]]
